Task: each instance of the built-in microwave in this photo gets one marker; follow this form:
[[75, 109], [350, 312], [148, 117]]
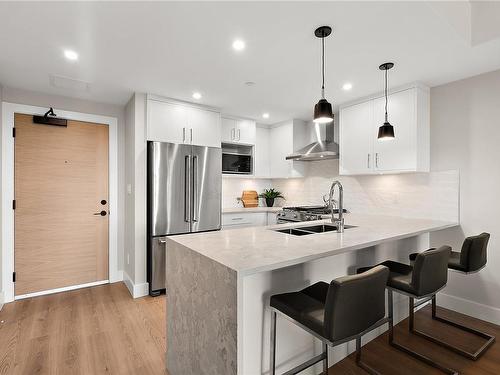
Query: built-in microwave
[[233, 163]]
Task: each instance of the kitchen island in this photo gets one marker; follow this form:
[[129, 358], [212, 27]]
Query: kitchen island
[[219, 284]]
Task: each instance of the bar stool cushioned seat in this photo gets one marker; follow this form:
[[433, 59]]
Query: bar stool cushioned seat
[[335, 313], [352, 304], [471, 258], [306, 306], [427, 275]]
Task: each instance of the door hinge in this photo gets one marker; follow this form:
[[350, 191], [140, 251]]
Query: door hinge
[[14, 132], [13, 277], [14, 204]]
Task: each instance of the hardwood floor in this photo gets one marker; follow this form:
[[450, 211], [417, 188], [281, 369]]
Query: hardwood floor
[[99, 330], [387, 360], [102, 330]]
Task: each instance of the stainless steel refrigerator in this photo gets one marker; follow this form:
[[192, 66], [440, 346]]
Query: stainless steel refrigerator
[[184, 196]]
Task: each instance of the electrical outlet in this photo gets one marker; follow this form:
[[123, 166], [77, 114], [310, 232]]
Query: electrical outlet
[[129, 188], [128, 259]]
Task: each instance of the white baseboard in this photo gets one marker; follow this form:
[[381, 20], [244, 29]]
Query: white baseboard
[[118, 276], [59, 290], [477, 310], [135, 290]]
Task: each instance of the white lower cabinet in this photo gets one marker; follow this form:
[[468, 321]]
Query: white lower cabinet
[[244, 219], [409, 151]]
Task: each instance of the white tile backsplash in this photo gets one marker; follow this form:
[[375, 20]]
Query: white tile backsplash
[[232, 188], [423, 195]]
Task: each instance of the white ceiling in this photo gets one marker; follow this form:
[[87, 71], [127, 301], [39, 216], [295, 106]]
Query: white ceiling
[[173, 49]]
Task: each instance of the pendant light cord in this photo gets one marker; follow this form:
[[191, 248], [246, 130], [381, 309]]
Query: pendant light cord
[[323, 66], [386, 95]]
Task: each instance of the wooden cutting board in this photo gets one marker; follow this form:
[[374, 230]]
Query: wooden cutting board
[[250, 198]]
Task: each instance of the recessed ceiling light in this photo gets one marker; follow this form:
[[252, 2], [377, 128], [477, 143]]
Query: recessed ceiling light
[[196, 95], [347, 86], [265, 115], [71, 55], [238, 45]]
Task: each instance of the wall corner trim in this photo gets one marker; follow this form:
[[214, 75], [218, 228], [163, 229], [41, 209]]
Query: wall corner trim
[[135, 290], [1, 301]]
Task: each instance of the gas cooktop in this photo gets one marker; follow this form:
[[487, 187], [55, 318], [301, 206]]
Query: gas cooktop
[[304, 213]]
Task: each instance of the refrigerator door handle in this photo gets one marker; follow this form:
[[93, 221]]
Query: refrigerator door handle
[[187, 188], [195, 188]]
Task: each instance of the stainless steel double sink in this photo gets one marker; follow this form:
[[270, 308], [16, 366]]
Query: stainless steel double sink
[[314, 229]]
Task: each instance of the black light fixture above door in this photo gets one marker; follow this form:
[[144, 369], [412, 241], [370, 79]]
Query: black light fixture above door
[[323, 110], [386, 131]]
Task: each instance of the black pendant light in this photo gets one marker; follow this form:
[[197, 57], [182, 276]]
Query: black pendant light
[[386, 131], [323, 110]]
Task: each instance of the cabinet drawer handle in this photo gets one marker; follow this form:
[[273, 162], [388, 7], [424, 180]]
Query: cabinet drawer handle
[[183, 135], [376, 160], [191, 135], [368, 163], [237, 218], [239, 135]]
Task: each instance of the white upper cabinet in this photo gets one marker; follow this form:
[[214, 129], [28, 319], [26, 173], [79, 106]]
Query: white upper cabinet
[[261, 152], [169, 121], [284, 139], [398, 154], [356, 139], [238, 131], [246, 131], [204, 125], [360, 150], [166, 122]]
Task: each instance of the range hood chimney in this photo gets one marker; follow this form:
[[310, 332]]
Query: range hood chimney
[[321, 149]]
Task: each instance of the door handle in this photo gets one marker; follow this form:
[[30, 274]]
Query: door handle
[[187, 188], [102, 213], [195, 188]]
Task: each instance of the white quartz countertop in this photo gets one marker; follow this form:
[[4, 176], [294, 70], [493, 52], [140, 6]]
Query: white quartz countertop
[[232, 210], [259, 249]]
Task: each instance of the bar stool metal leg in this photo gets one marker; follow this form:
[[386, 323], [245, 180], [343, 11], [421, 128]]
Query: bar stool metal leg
[[360, 363], [408, 351], [272, 357], [325, 361], [474, 356]]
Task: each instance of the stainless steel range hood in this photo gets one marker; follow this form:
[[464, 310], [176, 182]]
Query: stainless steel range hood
[[321, 149]]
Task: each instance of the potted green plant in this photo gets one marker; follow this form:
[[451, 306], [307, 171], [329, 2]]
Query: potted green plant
[[270, 195]]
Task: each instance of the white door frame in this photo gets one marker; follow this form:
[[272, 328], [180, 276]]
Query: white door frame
[[7, 190]]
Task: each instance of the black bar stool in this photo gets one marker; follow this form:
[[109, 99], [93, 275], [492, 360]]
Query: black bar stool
[[335, 313], [421, 281], [471, 259]]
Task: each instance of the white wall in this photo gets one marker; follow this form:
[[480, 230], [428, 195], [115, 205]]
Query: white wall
[[465, 135], [13, 95], [135, 214], [1, 278]]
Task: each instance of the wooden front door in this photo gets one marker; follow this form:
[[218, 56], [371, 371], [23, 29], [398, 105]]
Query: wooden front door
[[61, 187]]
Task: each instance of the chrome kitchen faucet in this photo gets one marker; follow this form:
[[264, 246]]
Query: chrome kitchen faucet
[[338, 221]]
